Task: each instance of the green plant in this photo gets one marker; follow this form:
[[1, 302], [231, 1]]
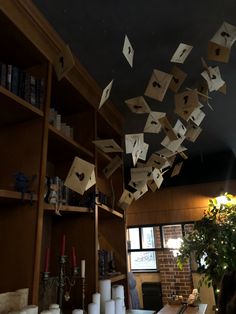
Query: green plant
[[212, 242]]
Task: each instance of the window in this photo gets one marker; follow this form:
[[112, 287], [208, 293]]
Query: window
[[145, 241], [143, 244]]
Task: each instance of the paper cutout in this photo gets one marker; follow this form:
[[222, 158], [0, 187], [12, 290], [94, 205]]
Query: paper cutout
[[156, 180], [108, 146], [172, 145], [223, 89], [183, 155], [125, 199], [140, 192], [225, 36], [197, 116], [105, 94], [140, 174], [153, 124], [137, 185], [178, 78], [136, 153], [218, 53], [192, 133], [202, 90], [179, 129], [64, 62], [213, 80], [133, 141], [143, 153], [128, 51], [80, 176], [138, 105], [181, 53], [185, 103], [165, 152], [167, 128], [176, 169], [115, 163], [158, 85], [157, 161]]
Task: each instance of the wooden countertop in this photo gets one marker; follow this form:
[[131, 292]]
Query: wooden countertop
[[173, 309], [139, 312]]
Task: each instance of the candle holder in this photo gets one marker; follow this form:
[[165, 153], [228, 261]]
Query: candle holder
[[63, 282], [83, 284]]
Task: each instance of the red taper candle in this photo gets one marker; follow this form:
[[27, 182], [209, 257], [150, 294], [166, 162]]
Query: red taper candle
[[63, 245], [74, 260]]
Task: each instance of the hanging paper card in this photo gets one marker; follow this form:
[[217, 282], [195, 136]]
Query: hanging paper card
[[157, 161], [132, 141], [125, 199], [144, 151], [140, 192], [225, 36], [167, 128], [153, 124], [156, 180], [181, 53], [197, 116], [138, 105], [115, 163], [192, 133], [108, 146], [165, 152], [218, 53], [158, 85], [64, 62], [105, 94], [177, 169], [172, 145], [178, 78], [179, 129], [128, 51], [80, 176], [214, 80], [140, 174]]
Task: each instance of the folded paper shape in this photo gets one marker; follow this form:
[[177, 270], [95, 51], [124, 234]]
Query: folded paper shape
[[157, 161], [144, 151], [179, 129], [176, 169], [172, 145], [213, 78], [165, 152], [185, 103], [81, 176], [158, 85], [225, 36], [140, 192], [197, 116], [156, 181], [192, 133], [105, 94], [138, 105], [133, 141], [108, 146], [137, 185], [140, 174], [167, 128], [202, 89], [64, 62], [128, 51], [114, 164], [178, 78], [153, 124], [125, 199], [218, 53], [223, 89], [181, 53]]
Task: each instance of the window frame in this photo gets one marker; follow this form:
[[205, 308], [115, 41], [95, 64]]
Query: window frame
[[141, 249]]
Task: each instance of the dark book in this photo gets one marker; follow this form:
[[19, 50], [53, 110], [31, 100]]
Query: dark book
[[42, 92], [27, 88], [21, 91], [3, 74], [15, 80], [32, 90], [9, 76]]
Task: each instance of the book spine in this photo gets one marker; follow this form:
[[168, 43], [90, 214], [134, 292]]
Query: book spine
[[21, 91], [4, 75], [9, 76], [27, 87], [32, 90], [15, 80]]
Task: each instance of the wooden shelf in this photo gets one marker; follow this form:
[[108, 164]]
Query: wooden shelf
[[110, 210], [67, 208], [14, 109], [114, 278], [7, 195], [60, 145]]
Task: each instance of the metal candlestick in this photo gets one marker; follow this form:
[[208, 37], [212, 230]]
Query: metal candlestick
[[83, 294], [63, 282]]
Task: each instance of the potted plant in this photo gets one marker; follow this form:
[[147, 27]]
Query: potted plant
[[212, 242]]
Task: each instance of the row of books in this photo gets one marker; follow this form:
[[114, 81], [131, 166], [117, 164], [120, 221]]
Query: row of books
[[23, 84], [55, 119]]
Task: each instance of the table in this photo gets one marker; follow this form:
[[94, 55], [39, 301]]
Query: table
[[173, 309]]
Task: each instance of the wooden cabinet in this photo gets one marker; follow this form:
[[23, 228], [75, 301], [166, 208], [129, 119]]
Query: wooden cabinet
[[35, 146]]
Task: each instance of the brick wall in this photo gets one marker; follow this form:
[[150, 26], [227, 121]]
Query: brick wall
[[173, 280]]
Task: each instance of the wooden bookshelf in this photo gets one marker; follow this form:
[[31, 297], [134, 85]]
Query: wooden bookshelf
[[7, 195], [67, 208], [111, 211]]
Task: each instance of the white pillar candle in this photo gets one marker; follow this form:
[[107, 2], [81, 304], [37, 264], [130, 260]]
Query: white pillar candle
[[96, 299], [119, 306], [54, 308], [124, 310], [77, 311], [118, 292], [110, 307], [105, 291], [83, 268], [92, 308], [31, 309]]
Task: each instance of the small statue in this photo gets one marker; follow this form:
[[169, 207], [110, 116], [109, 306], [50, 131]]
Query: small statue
[[23, 183], [193, 297]]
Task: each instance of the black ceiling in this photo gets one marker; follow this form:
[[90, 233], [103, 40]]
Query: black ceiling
[[95, 31]]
